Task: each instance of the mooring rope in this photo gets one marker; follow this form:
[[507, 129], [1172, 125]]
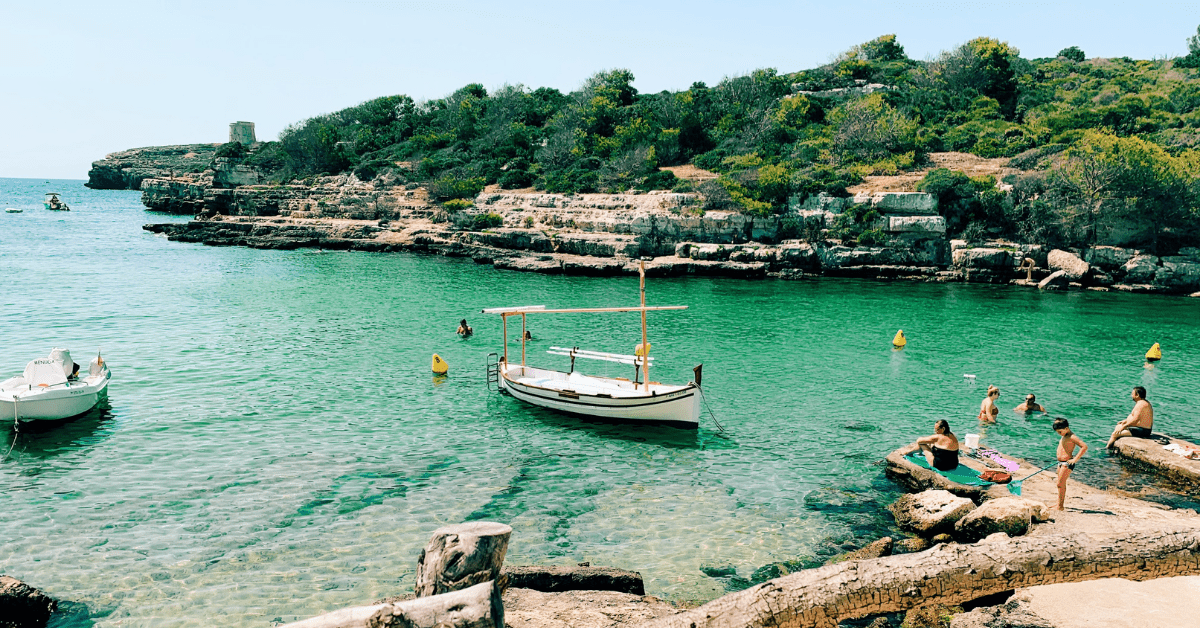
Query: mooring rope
[[709, 408], [16, 433]]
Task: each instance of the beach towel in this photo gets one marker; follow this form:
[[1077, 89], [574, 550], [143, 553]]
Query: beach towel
[[1009, 465], [963, 474]]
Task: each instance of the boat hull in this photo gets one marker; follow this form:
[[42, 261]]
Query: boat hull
[[54, 404], [677, 405]]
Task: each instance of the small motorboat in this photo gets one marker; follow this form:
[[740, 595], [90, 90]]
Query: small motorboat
[[13, 210], [53, 203], [51, 389]]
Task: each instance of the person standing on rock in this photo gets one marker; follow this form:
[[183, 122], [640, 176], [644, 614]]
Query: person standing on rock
[[1140, 421], [988, 409], [1067, 458]]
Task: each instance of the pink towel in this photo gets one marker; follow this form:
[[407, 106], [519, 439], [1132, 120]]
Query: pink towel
[[1008, 465]]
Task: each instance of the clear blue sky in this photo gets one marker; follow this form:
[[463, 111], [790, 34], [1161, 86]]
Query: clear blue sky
[[82, 79]]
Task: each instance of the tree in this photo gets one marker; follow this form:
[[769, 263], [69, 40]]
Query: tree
[[1105, 177], [1192, 60], [884, 48], [984, 65], [869, 129], [1072, 54]]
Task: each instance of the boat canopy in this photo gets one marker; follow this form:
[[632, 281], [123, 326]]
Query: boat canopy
[[44, 372]]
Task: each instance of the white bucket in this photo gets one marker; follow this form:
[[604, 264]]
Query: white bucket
[[972, 441]]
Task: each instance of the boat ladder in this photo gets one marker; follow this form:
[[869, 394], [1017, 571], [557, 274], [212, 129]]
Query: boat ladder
[[493, 370]]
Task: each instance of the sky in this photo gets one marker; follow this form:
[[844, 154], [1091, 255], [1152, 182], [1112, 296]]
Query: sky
[[79, 80]]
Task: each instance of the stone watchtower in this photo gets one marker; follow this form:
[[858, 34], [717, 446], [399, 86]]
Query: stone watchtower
[[242, 132]]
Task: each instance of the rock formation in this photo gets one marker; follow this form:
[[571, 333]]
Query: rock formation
[[22, 606], [125, 170], [930, 512]]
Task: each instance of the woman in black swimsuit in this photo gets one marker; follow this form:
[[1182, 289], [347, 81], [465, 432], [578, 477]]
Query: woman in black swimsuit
[[941, 449]]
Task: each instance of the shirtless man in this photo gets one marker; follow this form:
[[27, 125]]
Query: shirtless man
[[988, 409], [1140, 421], [1030, 405], [1067, 458], [464, 329]]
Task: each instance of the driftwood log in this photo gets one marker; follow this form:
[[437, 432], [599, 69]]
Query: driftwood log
[[946, 574], [479, 606], [460, 556]]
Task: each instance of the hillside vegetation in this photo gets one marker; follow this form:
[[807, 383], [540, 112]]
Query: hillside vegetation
[[1099, 138]]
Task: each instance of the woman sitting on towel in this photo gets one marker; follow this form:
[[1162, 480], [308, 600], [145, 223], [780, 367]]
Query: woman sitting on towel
[[941, 449]]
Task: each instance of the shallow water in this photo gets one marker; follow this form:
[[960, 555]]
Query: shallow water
[[275, 445]]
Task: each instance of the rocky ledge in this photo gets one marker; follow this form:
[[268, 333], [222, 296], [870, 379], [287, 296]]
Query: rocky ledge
[[125, 170], [1151, 453], [606, 234]]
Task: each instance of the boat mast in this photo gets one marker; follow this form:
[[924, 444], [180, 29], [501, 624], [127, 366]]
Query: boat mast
[[522, 339], [504, 320], [645, 345]]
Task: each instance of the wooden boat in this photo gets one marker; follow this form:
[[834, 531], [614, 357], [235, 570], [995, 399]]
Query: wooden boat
[[609, 398]]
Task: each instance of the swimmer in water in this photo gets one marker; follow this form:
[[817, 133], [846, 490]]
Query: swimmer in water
[[988, 409]]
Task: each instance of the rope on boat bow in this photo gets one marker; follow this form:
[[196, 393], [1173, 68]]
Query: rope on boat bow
[[16, 429], [709, 408]]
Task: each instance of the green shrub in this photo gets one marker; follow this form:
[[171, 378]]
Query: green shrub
[[659, 180], [456, 204], [450, 187], [487, 221], [234, 151], [1073, 54]]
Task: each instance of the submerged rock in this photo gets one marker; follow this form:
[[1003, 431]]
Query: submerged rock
[[22, 606], [930, 512], [557, 578]]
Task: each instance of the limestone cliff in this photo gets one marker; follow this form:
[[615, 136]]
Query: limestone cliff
[[125, 170]]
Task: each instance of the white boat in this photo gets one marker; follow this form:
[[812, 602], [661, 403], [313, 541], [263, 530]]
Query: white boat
[[53, 203], [50, 389], [13, 210], [610, 398]]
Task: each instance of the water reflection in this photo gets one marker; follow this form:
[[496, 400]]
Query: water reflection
[[43, 440]]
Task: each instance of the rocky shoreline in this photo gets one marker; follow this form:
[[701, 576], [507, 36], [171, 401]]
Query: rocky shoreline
[[606, 234]]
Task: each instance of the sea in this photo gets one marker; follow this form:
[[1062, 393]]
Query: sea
[[274, 444]]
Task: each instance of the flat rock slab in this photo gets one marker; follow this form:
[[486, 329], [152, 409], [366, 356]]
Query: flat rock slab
[[1117, 603], [917, 478], [1167, 464], [526, 608], [554, 579]]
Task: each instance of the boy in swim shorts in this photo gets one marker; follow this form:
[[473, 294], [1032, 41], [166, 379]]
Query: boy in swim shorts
[[1067, 458]]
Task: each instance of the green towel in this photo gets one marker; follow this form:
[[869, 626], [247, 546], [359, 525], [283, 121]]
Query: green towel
[[963, 474]]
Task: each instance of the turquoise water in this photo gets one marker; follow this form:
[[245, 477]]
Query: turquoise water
[[275, 445]]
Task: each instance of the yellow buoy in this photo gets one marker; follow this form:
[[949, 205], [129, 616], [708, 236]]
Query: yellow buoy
[[639, 351], [439, 365], [899, 340], [1155, 353]]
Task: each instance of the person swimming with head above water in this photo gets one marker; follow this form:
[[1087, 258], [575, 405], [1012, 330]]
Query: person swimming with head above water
[[1030, 405], [940, 449], [464, 329]]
